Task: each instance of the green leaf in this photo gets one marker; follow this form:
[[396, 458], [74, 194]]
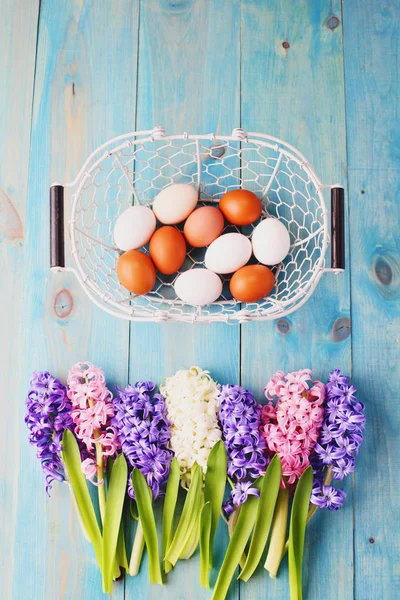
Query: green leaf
[[112, 517], [205, 532], [214, 488], [133, 510], [120, 554], [72, 460], [297, 529], [193, 540], [188, 518], [146, 516], [236, 547], [137, 550], [171, 497], [265, 511]]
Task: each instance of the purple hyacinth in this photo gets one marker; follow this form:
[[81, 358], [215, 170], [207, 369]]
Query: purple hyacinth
[[239, 417], [326, 496], [143, 431], [48, 415], [339, 441]]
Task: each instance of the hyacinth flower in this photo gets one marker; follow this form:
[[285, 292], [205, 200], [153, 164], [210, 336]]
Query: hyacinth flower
[[192, 400], [339, 441], [48, 415], [291, 421], [142, 428], [92, 412], [240, 418]]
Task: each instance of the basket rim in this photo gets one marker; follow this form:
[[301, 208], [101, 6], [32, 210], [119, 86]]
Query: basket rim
[[110, 305]]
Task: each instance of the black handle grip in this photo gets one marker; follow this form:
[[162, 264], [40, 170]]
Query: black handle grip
[[337, 228], [57, 256]]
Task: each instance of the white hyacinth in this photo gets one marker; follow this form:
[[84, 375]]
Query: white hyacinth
[[192, 400]]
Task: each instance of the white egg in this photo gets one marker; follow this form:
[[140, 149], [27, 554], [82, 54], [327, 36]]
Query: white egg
[[198, 287], [134, 227], [174, 203], [228, 253], [271, 242]]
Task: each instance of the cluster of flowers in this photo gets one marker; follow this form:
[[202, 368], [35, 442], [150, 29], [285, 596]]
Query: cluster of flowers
[[291, 420], [92, 410], [192, 399], [239, 416], [48, 415], [143, 432], [304, 422], [339, 441]]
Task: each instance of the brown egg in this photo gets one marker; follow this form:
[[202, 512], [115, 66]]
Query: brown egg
[[240, 207], [168, 249], [203, 226], [136, 272], [252, 283]]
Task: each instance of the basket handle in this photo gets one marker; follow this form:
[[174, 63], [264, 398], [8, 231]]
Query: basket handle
[[337, 228], [57, 255]]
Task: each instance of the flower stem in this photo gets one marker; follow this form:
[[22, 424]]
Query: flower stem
[[101, 489], [137, 551], [276, 549]]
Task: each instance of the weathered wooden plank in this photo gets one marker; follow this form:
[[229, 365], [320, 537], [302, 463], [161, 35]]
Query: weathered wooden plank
[[293, 88], [188, 80], [372, 33], [82, 98], [18, 33]]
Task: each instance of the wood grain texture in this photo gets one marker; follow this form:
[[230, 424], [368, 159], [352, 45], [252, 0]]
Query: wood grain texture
[[189, 58], [293, 88], [101, 69], [372, 33], [18, 30], [82, 98]]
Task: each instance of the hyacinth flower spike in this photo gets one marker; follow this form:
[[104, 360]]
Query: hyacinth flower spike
[[92, 411], [192, 400], [48, 415], [291, 421], [143, 431], [339, 441]]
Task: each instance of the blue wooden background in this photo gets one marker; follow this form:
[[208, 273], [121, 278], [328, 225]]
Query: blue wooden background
[[321, 75]]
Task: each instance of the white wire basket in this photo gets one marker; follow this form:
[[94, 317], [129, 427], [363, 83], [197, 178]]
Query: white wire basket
[[133, 168]]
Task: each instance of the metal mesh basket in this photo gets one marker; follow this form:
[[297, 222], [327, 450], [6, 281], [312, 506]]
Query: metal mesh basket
[[133, 168]]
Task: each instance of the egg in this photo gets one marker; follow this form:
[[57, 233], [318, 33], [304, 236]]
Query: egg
[[136, 272], [240, 207], [134, 227], [198, 287], [174, 203], [228, 253], [251, 283], [203, 226], [168, 249], [271, 242]]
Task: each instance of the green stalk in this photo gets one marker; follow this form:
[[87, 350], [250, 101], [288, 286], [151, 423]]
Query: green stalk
[[205, 529], [193, 540], [214, 488], [171, 497], [121, 558], [237, 544], [298, 523], [101, 489], [146, 516], [268, 496], [72, 461], [278, 536], [231, 527], [137, 550], [189, 516]]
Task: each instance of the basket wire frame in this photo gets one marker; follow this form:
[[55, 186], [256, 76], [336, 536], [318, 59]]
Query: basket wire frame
[[134, 168]]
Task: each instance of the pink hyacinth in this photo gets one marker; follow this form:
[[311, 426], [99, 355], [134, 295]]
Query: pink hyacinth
[[92, 410], [292, 419]]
